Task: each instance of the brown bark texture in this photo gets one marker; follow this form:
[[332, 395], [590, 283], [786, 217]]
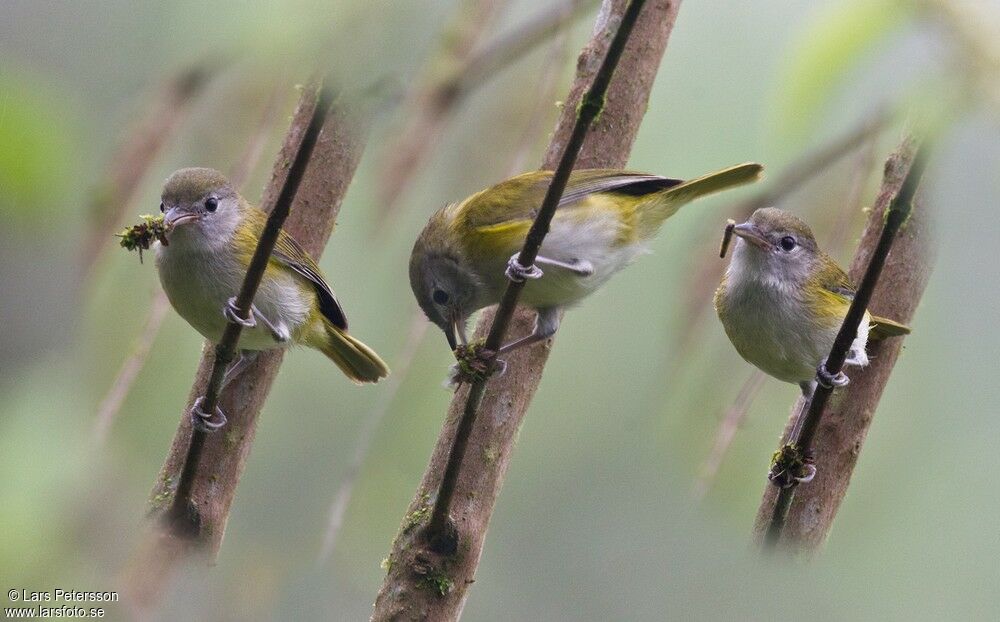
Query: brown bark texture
[[311, 221], [846, 420], [421, 584]]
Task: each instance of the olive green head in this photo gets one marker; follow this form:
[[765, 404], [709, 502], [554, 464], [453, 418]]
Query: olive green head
[[445, 287], [200, 202]]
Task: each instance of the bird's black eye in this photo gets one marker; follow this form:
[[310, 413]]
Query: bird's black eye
[[440, 296], [211, 204], [161, 207], [787, 243]]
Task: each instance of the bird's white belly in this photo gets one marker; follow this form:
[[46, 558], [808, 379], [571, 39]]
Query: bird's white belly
[[773, 331], [198, 286], [594, 241]]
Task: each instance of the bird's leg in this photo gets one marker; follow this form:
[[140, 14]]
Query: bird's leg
[[210, 422], [808, 387], [278, 331], [828, 380], [237, 367], [579, 267], [546, 325], [518, 273], [230, 312], [206, 422]]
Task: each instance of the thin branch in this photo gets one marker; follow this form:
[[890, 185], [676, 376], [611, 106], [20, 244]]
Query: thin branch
[[112, 402], [438, 97], [814, 162], [861, 174], [254, 149], [548, 79], [400, 372], [121, 386], [804, 432], [431, 101], [421, 583], [510, 48], [127, 168], [730, 425]]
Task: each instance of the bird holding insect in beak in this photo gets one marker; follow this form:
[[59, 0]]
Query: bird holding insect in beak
[[782, 302], [212, 233], [604, 220]]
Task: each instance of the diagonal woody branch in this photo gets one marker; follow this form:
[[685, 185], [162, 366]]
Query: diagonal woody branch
[[455, 73], [421, 584], [138, 152]]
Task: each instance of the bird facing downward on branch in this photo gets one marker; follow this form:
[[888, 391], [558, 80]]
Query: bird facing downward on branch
[[603, 222]]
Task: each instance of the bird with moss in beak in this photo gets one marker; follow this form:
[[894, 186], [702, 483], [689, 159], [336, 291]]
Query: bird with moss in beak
[[782, 302], [212, 233]]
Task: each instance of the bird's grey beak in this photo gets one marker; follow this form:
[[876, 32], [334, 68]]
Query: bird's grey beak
[[460, 328], [449, 334], [751, 234], [457, 328], [176, 216]]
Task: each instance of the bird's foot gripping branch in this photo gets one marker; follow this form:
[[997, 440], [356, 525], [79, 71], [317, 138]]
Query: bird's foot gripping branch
[[790, 466]]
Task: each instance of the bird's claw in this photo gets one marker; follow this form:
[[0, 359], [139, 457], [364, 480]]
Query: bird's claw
[[790, 467], [828, 380], [499, 367], [518, 273], [206, 422], [808, 473], [232, 314]]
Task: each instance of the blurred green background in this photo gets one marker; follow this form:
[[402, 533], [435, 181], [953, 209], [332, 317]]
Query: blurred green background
[[597, 520]]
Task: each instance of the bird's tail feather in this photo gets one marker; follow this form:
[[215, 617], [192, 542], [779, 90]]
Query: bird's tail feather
[[667, 202], [883, 328], [358, 362]]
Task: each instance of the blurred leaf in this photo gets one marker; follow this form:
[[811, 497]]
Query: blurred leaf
[[35, 147], [827, 50]]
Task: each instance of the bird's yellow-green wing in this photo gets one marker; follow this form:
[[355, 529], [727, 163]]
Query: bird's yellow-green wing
[[288, 253], [837, 293], [498, 218], [832, 298]]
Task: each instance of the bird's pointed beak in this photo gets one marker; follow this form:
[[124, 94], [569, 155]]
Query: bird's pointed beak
[[456, 333], [175, 217], [460, 329], [751, 234]]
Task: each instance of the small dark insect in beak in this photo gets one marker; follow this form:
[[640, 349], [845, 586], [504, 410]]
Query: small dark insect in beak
[[727, 237]]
